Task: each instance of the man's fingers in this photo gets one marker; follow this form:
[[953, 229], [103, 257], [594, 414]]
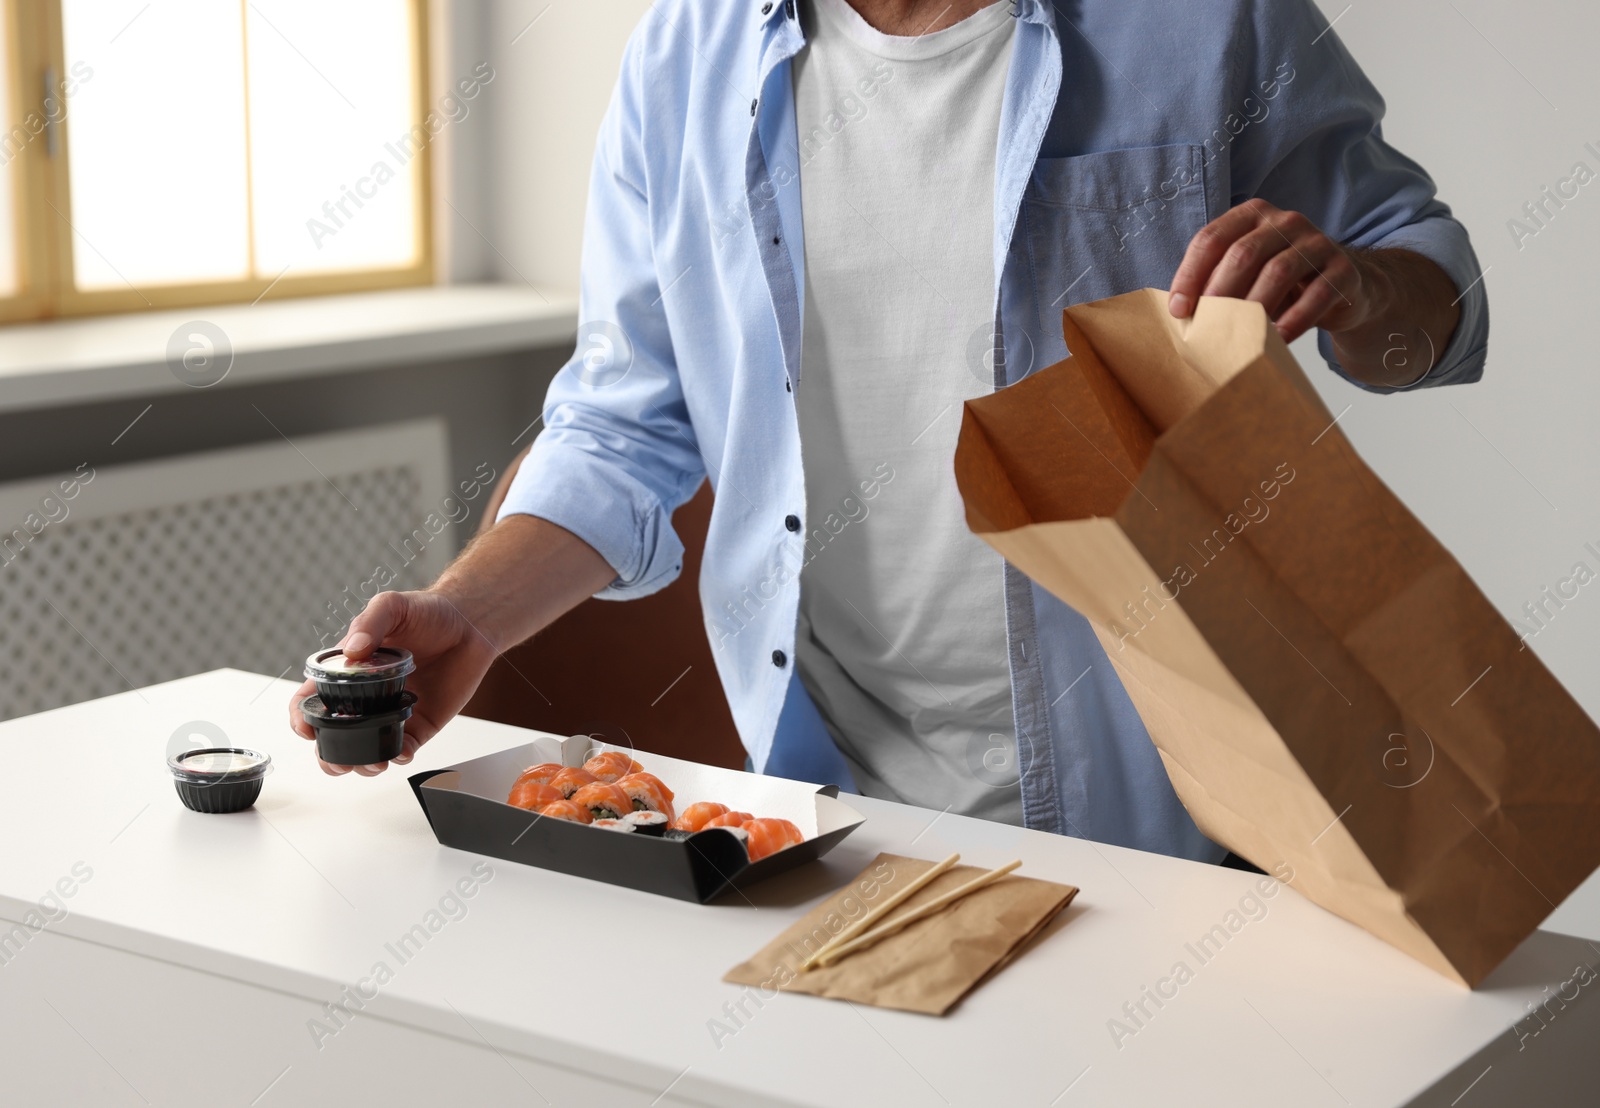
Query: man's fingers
[[382, 615], [372, 770], [297, 722], [1275, 312], [1239, 268], [413, 742], [1318, 299], [1285, 272], [1326, 297], [1208, 248], [420, 728]]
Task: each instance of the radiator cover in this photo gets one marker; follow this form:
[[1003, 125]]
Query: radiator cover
[[249, 558]]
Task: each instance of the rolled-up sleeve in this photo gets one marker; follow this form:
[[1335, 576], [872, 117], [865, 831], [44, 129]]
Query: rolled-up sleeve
[[1320, 151], [617, 453]]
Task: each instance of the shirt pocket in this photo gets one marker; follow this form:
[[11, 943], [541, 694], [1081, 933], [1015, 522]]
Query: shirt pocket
[[1107, 223]]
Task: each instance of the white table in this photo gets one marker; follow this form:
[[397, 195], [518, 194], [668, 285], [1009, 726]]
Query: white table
[[190, 963]]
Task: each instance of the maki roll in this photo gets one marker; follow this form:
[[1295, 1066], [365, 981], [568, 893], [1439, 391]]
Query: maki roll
[[566, 809], [739, 833], [768, 836], [614, 824], [532, 795], [648, 823], [610, 765], [570, 779], [647, 793], [696, 815], [603, 801]]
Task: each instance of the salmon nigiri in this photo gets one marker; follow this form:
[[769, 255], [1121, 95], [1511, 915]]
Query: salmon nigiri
[[768, 836], [609, 765], [728, 819], [695, 815], [566, 809], [540, 773], [570, 779], [647, 792], [603, 800], [532, 794]]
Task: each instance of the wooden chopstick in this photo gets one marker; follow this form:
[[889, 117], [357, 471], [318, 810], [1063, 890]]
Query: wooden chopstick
[[832, 954], [878, 913]]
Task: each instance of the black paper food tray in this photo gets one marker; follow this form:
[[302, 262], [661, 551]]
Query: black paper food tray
[[465, 805]]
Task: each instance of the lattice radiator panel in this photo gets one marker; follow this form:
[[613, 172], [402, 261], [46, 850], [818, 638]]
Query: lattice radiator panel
[[233, 558]]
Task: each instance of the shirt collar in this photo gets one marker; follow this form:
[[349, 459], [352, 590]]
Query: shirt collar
[[1029, 11], [773, 11], [1033, 11]]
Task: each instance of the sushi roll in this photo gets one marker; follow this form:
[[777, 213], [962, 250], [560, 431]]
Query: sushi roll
[[610, 765], [648, 823], [570, 779], [532, 795], [695, 815], [647, 793], [540, 773], [768, 836], [566, 809], [614, 824], [603, 801], [729, 819]]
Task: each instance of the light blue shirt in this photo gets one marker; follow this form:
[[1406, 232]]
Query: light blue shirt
[[1124, 130]]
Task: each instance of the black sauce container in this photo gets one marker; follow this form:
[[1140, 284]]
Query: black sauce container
[[358, 740], [364, 688], [219, 778]]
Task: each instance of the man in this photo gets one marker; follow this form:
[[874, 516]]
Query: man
[[815, 227]]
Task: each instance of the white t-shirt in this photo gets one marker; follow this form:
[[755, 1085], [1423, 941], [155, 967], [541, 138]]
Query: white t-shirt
[[902, 636]]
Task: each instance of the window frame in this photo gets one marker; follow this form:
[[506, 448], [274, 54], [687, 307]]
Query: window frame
[[46, 243]]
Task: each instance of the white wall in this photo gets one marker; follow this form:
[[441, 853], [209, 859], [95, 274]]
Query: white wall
[[458, 44], [555, 63], [1494, 121], [1496, 116]]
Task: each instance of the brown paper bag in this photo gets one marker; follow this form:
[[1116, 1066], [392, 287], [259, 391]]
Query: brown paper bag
[[1327, 687], [928, 966]]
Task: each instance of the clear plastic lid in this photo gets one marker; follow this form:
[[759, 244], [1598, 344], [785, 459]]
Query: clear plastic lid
[[386, 663], [210, 765]]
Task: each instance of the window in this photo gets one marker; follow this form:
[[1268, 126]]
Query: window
[[201, 151]]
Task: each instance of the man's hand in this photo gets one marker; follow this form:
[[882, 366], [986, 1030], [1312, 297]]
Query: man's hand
[[1391, 313], [512, 581], [451, 658], [1281, 261]]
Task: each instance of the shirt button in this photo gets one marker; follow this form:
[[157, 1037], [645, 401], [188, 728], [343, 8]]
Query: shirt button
[[792, 522], [765, 8], [752, 107], [779, 658], [775, 240], [788, 8]]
